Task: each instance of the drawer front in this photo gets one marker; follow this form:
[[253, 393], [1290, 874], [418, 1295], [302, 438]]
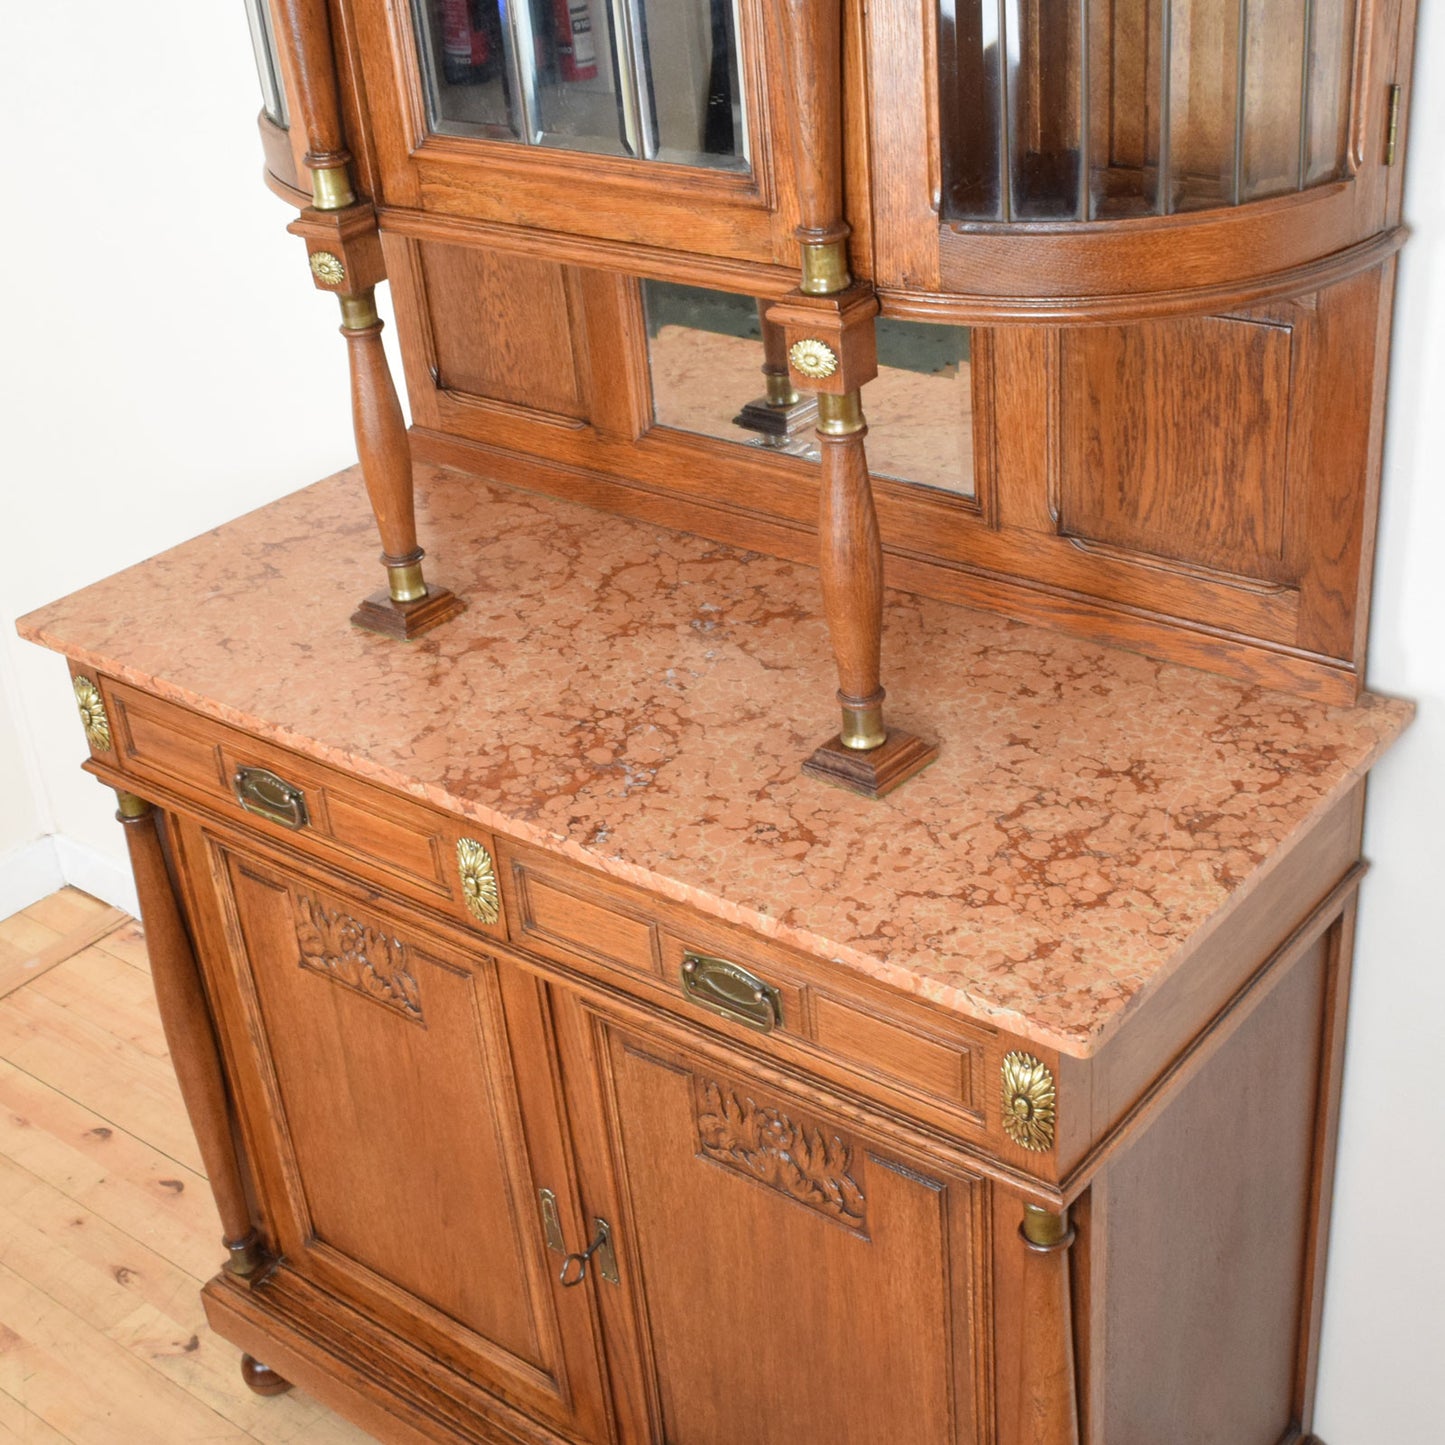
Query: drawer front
[[722, 977], [373, 833]]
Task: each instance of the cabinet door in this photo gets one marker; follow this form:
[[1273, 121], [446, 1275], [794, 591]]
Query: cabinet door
[[398, 1150], [794, 1273], [622, 121]]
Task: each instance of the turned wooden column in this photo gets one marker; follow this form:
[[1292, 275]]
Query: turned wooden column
[[831, 349], [344, 250], [1046, 1411], [186, 1019]]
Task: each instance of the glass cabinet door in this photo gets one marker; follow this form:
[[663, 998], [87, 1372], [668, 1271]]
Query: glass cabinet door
[[635, 78], [268, 69], [1087, 111]]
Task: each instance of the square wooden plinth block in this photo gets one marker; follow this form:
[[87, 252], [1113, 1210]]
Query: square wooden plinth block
[[875, 772], [407, 619]]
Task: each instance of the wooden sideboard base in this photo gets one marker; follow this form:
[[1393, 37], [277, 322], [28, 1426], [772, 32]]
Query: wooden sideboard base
[[875, 772], [355, 1367], [378, 613]]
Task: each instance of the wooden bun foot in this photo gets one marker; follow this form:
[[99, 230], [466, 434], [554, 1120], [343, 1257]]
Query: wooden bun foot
[[875, 772], [407, 619], [261, 1378]]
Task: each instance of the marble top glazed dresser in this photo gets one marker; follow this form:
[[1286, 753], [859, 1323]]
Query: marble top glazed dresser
[[591, 1038]]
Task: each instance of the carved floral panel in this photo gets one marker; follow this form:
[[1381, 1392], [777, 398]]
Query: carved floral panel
[[357, 955], [810, 1164]]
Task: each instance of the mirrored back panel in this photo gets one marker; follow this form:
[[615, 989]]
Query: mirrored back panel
[[718, 369]]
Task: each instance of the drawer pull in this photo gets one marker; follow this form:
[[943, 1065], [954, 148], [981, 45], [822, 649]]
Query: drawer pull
[[267, 796], [730, 990]]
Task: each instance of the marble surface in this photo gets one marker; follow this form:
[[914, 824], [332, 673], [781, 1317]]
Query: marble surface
[[640, 700]]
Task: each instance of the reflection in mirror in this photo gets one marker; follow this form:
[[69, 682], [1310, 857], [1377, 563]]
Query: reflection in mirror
[[920, 406], [711, 354], [263, 42], [719, 369], [607, 76]]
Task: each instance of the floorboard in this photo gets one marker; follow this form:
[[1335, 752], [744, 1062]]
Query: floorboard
[[107, 1228]]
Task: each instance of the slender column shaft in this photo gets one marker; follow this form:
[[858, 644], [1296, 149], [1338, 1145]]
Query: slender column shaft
[[382, 445], [851, 568], [186, 1019], [304, 28], [1050, 1395]]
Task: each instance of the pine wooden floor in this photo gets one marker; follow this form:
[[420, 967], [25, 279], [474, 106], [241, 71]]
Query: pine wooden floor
[[107, 1229]]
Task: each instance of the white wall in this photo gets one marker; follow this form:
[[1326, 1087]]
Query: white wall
[[166, 365], [165, 362]]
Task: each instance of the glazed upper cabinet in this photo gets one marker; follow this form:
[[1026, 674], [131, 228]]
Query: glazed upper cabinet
[[1085, 152], [998, 150], [624, 121]]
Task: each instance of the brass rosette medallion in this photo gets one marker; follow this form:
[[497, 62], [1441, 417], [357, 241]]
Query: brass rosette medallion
[[327, 268], [92, 714], [1028, 1102], [479, 881], [813, 358]]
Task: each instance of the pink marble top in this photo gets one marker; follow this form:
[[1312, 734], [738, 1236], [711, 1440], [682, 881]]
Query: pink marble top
[[641, 700]]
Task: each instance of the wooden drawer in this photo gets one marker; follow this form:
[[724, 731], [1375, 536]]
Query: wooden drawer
[[374, 833], [561, 911]]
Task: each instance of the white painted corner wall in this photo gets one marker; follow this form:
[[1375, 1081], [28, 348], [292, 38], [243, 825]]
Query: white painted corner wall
[[166, 365]]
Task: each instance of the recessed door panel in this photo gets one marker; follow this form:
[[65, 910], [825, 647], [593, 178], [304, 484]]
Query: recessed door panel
[[401, 1137], [800, 1281]]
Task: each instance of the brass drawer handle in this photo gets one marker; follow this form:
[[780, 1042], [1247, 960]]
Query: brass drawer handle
[[267, 796], [730, 990]]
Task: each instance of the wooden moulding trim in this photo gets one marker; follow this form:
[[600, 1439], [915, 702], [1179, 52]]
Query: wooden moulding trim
[[1252, 992], [632, 259], [361, 1369], [978, 310], [1194, 644], [287, 193]]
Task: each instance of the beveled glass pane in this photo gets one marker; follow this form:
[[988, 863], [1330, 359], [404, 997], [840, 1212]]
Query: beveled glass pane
[[641, 78], [580, 77], [692, 95], [1205, 61], [1274, 95], [1177, 105], [1045, 62], [1331, 60], [971, 104], [920, 406], [1124, 85], [464, 65], [268, 72]]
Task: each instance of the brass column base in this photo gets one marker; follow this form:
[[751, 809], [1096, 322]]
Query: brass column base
[[378, 613], [875, 772]]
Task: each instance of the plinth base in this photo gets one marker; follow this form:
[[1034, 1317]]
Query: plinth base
[[876, 772], [262, 1379], [407, 619]]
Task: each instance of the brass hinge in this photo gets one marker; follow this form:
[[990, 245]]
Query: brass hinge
[[1392, 132]]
